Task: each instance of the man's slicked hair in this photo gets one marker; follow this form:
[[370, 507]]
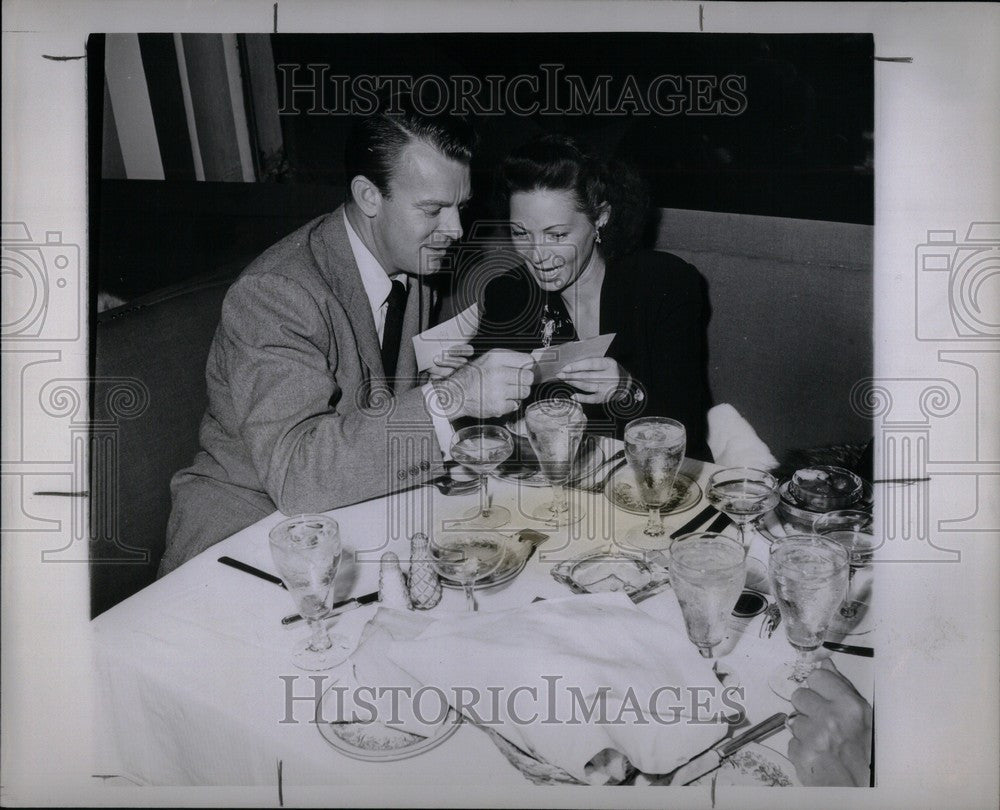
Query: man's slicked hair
[[376, 141]]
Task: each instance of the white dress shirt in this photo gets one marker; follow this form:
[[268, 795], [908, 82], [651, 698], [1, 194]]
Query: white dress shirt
[[378, 284]]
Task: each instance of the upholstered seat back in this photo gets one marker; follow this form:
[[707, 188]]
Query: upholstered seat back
[[160, 344]]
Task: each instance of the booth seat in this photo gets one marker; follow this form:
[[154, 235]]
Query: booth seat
[[161, 342], [791, 332]]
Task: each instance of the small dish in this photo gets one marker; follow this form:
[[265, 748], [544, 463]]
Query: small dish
[[611, 572], [798, 519], [620, 489], [824, 488]]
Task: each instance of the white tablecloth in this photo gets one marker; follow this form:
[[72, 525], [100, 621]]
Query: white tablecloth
[[195, 672]]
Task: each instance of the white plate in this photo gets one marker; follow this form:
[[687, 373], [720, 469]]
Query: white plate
[[524, 470], [621, 490], [754, 765], [376, 742]]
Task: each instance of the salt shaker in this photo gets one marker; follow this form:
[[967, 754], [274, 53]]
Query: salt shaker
[[391, 585], [425, 586]]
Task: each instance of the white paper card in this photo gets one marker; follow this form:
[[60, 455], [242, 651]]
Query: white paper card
[[550, 361], [432, 343]]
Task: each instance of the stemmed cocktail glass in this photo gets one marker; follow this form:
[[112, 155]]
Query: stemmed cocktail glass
[[306, 552], [555, 428], [808, 576], [483, 448], [852, 528], [743, 493], [467, 558], [654, 447], [707, 572]]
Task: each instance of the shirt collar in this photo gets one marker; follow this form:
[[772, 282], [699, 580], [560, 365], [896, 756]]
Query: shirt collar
[[373, 277]]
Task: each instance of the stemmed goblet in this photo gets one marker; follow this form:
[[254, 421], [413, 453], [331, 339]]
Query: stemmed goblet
[[483, 448], [743, 493], [555, 428], [852, 528], [707, 572], [654, 447], [306, 552], [467, 558], [808, 575]]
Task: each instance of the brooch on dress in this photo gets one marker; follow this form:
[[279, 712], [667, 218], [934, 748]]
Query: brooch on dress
[[550, 325]]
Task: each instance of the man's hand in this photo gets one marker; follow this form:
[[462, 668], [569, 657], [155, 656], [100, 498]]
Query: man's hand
[[489, 386], [598, 378], [450, 360], [831, 732]]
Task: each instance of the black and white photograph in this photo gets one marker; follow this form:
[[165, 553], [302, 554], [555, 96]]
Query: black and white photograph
[[475, 408]]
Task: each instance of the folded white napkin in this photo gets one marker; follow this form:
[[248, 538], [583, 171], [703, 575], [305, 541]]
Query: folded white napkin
[[734, 443], [534, 673]]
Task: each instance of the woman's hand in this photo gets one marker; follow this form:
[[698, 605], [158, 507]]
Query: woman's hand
[[598, 378], [450, 360]]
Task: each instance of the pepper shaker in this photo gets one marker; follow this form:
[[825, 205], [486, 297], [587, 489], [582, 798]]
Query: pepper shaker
[[425, 586]]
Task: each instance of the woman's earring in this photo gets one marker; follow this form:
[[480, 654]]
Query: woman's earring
[[598, 232]]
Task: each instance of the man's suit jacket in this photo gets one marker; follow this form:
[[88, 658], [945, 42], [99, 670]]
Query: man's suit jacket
[[299, 416]]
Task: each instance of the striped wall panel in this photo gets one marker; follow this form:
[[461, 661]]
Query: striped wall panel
[[189, 107]]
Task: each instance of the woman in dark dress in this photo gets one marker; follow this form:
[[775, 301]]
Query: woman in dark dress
[[575, 224]]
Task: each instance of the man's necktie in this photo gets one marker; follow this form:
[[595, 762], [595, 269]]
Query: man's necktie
[[392, 332]]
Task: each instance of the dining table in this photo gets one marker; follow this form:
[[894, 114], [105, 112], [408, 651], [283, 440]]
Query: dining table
[[197, 688]]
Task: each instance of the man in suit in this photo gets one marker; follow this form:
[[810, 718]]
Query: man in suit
[[314, 398]]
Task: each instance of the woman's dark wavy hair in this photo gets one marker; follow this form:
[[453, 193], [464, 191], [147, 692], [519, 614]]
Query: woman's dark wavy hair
[[558, 163]]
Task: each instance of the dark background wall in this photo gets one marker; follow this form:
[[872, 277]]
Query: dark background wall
[[801, 148]]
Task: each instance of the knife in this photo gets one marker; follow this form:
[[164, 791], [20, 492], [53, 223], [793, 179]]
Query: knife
[[697, 520], [849, 649], [338, 607], [714, 756], [249, 569], [719, 524]]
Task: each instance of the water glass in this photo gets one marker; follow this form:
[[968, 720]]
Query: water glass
[[808, 575], [306, 552], [555, 428], [654, 447], [852, 528], [707, 572]]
